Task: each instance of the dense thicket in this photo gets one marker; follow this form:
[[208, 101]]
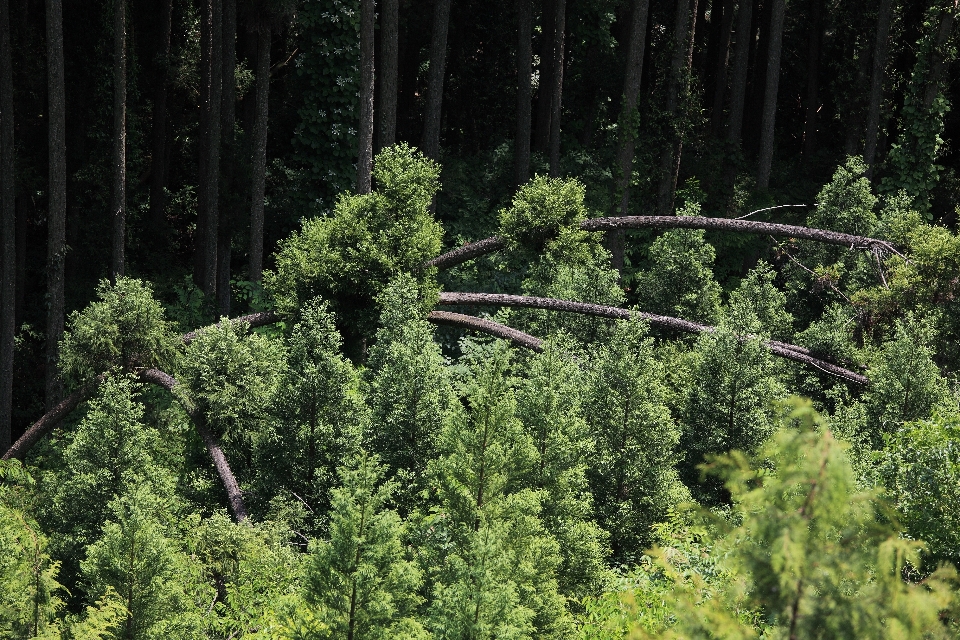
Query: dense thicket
[[333, 464]]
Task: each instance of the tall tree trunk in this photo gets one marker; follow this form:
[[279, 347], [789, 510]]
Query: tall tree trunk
[[524, 90], [882, 45], [211, 92], [626, 128], [367, 34], [938, 61], [259, 152], [770, 94], [228, 118], [119, 201], [813, 80], [159, 161], [548, 19], [21, 257], [720, 69], [559, 32], [679, 73], [741, 67], [438, 59], [8, 232], [56, 199], [389, 66]]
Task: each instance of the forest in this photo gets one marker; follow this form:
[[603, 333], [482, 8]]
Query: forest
[[479, 319]]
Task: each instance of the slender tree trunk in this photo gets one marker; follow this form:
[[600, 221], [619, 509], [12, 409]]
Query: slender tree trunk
[[854, 107], [882, 45], [389, 65], [438, 59], [119, 202], [367, 33], [938, 62], [813, 80], [741, 67], [56, 199], [679, 70], [8, 231], [626, 128], [770, 94], [720, 70], [21, 257], [211, 92], [158, 161], [259, 152], [559, 38], [228, 119], [524, 89], [541, 142]]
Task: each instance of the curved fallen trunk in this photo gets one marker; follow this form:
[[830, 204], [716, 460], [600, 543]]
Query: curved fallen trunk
[[51, 419], [253, 320], [490, 327], [781, 349], [168, 382], [863, 243]]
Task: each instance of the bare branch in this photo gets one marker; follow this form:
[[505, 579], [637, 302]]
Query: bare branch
[[518, 338]]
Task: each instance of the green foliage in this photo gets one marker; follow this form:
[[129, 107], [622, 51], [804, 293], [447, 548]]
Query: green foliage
[[497, 572], [541, 210], [409, 390], [846, 203], [920, 469], [358, 581], [123, 330], [680, 279], [632, 473], [758, 293], [318, 411], [349, 257], [810, 556]]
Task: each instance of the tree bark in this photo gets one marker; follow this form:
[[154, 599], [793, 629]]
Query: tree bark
[[259, 170], [813, 80], [938, 62], [230, 484], [524, 90], [211, 92], [8, 230], [877, 76], [783, 350], [541, 142], [741, 67], [389, 68], [626, 128], [489, 327], [228, 118], [679, 68], [559, 40], [438, 58], [119, 201], [158, 160], [720, 70], [56, 199], [367, 34], [496, 243], [770, 94]]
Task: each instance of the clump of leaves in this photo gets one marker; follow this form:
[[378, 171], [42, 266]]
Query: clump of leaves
[[124, 329], [541, 211]]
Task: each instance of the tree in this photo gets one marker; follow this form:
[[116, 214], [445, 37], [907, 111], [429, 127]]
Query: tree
[[159, 156], [359, 581], [56, 198], [771, 87], [367, 30], [556, 82], [119, 202], [208, 190], [438, 59], [632, 473], [738, 85], [878, 74], [627, 125], [389, 70], [812, 100], [259, 164], [524, 90], [8, 248], [228, 156]]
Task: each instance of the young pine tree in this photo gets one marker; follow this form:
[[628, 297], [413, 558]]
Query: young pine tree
[[357, 582], [497, 564], [632, 472]]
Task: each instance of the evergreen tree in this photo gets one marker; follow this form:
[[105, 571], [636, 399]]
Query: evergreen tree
[[358, 581], [409, 390], [497, 573], [632, 473], [549, 406]]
